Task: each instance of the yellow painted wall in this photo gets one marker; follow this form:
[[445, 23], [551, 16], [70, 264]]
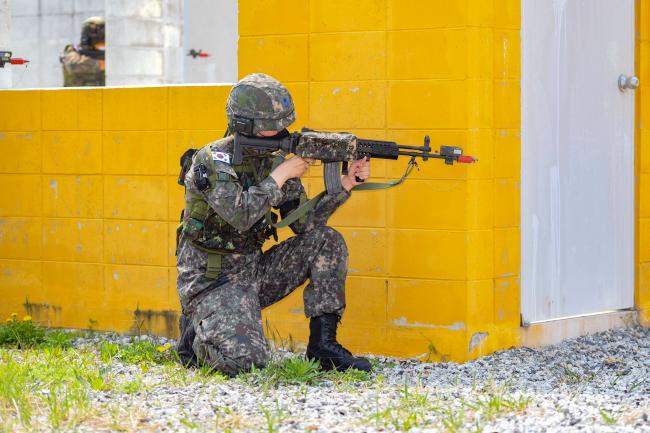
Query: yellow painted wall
[[89, 200], [434, 264], [642, 298]]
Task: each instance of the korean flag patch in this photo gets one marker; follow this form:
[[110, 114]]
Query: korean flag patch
[[221, 157]]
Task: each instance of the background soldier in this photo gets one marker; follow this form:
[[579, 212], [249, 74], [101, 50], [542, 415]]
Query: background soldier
[[84, 65], [224, 280]]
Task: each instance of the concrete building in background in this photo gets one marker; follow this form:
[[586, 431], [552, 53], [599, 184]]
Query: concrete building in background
[[147, 40]]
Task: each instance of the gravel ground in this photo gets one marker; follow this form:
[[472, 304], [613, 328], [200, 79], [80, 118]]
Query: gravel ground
[[597, 383]]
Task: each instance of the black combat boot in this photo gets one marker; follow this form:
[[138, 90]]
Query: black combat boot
[[184, 349], [324, 347]]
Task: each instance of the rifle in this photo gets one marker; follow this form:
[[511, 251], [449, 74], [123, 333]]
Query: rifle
[[335, 150], [5, 57]]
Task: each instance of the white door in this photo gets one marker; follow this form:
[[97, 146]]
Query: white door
[[577, 170]]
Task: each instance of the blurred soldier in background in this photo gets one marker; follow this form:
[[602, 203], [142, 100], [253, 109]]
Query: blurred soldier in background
[[83, 65]]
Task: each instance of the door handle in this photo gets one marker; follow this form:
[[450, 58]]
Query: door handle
[[625, 82]]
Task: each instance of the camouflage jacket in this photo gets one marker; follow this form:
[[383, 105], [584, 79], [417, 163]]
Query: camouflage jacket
[[81, 70], [240, 200]]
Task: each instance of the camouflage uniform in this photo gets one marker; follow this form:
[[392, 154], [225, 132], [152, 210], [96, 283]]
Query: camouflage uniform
[[225, 313], [83, 64], [81, 70]]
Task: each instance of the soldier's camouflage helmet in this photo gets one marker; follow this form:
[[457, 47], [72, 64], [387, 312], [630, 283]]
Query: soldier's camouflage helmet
[[259, 102], [92, 31]]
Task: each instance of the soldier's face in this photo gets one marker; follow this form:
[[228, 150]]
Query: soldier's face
[[267, 133]]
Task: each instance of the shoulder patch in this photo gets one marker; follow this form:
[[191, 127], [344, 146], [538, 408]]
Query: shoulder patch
[[218, 155]]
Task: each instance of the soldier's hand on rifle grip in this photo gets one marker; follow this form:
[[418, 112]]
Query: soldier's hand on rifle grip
[[358, 169], [291, 168]]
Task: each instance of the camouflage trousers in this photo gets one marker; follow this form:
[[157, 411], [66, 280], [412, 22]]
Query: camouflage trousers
[[224, 315]]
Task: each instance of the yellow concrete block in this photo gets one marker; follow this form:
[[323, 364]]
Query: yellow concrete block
[[420, 204], [73, 240], [25, 150], [480, 101], [507, 153], [72, 152], [644, 107], [365, 301], [362, 339], [644, 240], [426, 14], [480, 342], [135, 152], [179, 141], [176, 199], [300, 95], [642, 294], [288, 309], [171, 249], [75, 293], [480, 205], [507, 200], [421, 54], [347, 56], [644, 149], [198, 107], [20, 238], [346, 16], [644, 196], [273, 17], [283, 57], [433, 168], [507, 301], [427, 254], [427, 104], [480, 145], [137, 109], [173, 276], [644, 62], [507, 13], [19, 280], [644, 21], [363, 208], [480, 53], [367, 251], [480, 304], [73, 196], [481, 13], [68, 109], [507, 106], [507, 252], [427, 345], [20, 195], [136, 242], [20, 110], [480, 254], [133, 287], [507, 54], [347, 105], [136, 197], [426, 304]]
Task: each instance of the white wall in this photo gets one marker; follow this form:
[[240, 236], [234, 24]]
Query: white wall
[[5, 42], [39, 32], [212, 27], [144, 42]]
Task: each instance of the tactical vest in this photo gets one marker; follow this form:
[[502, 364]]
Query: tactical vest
[[79, 78], [206, 230]]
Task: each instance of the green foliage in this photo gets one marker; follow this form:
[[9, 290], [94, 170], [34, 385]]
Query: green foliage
[[21, 333], [136, 352], [289, 371], [608, 417]]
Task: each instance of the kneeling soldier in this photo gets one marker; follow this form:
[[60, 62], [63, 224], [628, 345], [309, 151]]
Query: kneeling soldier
[[224, 279]]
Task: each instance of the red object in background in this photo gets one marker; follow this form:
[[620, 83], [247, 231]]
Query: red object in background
[[466, 159], [194, 54], [18, 61]]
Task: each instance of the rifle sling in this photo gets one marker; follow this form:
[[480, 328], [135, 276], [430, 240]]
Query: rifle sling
[[370, 186]]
